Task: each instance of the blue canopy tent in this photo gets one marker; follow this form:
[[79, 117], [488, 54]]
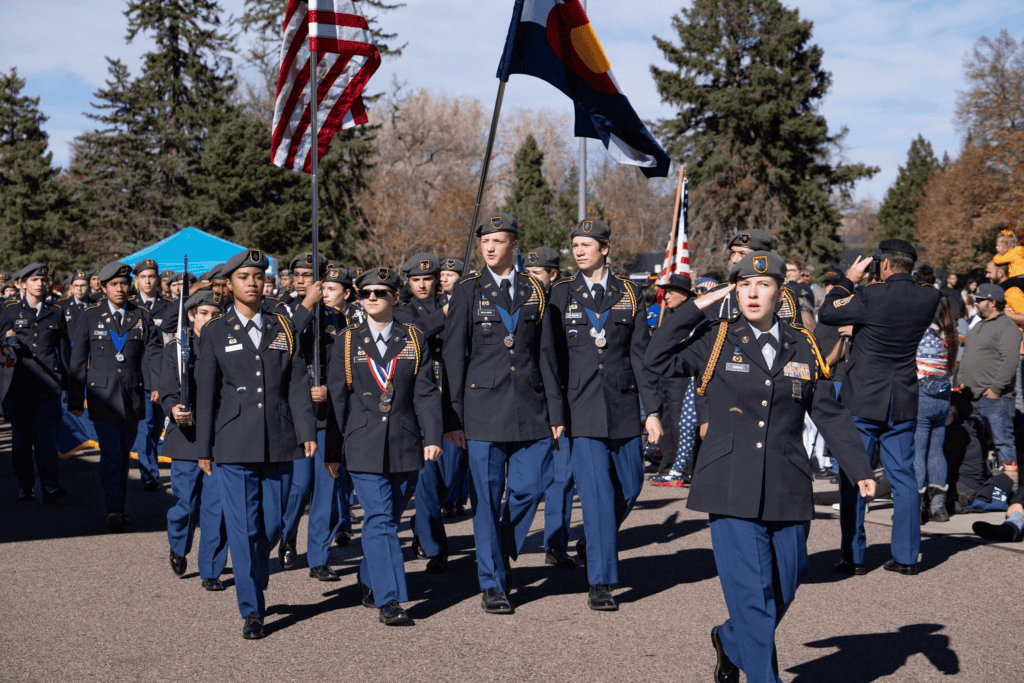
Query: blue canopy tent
[[204, 252]]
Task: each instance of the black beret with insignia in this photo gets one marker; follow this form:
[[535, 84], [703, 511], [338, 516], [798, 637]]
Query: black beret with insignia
[[756, 239], [250, 258], [167, 273], [379, 276], [338, 275], [305, 260], [354, 272], [454, 265], [34, 269], [591, 227], [758, 263], [205, 297], [498, 222], [178, 277], [115, 269], [79, 275], [833, 274], [144, 265], [898, 247], [421, 264], [543, 257]]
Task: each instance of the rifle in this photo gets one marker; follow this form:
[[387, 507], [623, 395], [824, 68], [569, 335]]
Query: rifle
[[184, 343]]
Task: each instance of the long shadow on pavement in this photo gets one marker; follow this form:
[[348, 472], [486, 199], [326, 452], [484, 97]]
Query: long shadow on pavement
[[867, 657], [935, 550]]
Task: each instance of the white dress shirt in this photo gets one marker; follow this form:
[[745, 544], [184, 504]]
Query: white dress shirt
[[382, 337], [768, 351], [256, 333]]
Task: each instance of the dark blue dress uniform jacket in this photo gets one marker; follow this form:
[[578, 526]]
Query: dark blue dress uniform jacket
[[72, 311], [428, 316], [603, 384], [377, 442], [332, 322], [253, 403], [116, 391], [501, 394], [164, 312], [752, 463], [889, 320], [179, 440], [42, 351]]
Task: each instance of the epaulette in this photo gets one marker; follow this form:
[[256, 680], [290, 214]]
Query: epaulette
[[215, 317], [823, 369], [467, 278], [562, 281], [716, 352], [12, 303], [175, 341], [287, 331], [64, 299], [95, 305]]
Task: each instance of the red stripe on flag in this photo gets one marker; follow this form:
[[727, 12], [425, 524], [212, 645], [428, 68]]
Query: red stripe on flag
[[337, 19]]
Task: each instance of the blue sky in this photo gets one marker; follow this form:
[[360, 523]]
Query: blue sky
[[896, 65]]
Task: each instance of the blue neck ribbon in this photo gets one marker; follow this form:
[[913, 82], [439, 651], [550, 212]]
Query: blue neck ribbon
[[119, 340], [596, 321], [509, 321]]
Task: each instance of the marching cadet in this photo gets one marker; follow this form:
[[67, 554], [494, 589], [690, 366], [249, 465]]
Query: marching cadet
[[198, 498], [499, 355], [77, 300], [427, 311], [147, 296], [255, 418], [355, 312], [36, 336], [4, 278], [165, 281], [760, 377], [381, 374], [601, 336], [450, 271], [545, 264], [175, 284], [326, 519], [95, 286], [114, 348]]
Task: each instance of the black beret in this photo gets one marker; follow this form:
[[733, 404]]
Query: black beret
[[379, 276], [34, 269], [167, 273], [338, 275], [543, 257], [178, 277], [758, 263], [146, 264], [285, 272], [683, 283], [833, 274], [354, 272], [305, 260], [455, 265], [591, 227], [756, 239], [115, 269], [79, 275], [210, 274], [421, 264], [497, 222], [205, 297], [91, 273], [898, 247], [250, 258]]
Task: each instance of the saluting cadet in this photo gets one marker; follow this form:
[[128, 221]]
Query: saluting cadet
[[147, 296], [37, 345], [427, 311], [499, 355], [760, 377], [255, 418], [328, 512], [198, 497], [77, 300], [545, 264], [114, 349], [601, 336], [388, 407]]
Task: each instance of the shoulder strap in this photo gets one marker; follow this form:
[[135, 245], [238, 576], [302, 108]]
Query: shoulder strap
[[716, 352]]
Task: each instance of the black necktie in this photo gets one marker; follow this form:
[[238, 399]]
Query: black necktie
[[149, 305], [117, 317], [769, 340], [598, 296], [506, 291], [249, 326]]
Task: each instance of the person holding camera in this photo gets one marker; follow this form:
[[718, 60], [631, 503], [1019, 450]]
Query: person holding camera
[[881, 391]]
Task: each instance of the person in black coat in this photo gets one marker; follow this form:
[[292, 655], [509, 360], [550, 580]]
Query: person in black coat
[[505, 391], [255, 417], [36, 354], [601, 335], [388, 407], [760, 377], [75, 303], [880, 391], [198, 496]]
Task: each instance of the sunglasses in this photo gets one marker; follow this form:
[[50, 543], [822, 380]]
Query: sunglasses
[[373, 293]]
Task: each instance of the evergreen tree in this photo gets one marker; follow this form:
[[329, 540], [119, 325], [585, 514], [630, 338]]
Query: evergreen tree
[[532, 203], [36, 217], [748, 84], [896, 215]]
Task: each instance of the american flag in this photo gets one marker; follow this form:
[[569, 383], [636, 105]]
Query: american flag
[[347, 57], [677, 255]]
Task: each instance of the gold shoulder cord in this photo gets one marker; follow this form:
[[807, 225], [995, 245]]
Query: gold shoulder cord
[[823, 369], [540, 295], [348, 359], [287, 333], [631, 295], [416, 345], [716, 352]]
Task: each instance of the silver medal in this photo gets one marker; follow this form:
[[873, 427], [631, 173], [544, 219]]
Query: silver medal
[[509, 341], [119, 356]]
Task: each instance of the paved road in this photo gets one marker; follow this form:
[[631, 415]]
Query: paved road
[[82, 605]]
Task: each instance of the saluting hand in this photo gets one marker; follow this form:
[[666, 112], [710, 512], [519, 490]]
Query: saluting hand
[[431, 452], [310, 448], [206, 465], [654, 430], [333, 468], [866, 488], [706, 301]]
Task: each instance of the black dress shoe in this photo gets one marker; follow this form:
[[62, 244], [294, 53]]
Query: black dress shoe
[[26, 496], [213, 585], [51, 496], [725, 670], [460, 511], [1000, 533], [115, 521], [151, 486], [342, 539], [560, 559], [437, 564], [495, 602], [581, 550], [600, 598], [392, 614], [323, 573], [905, 569], [850, 568], [253, 628], [506, 561], [448, 511], [178, 563], [418, 549], [286, 553], [368, 600]]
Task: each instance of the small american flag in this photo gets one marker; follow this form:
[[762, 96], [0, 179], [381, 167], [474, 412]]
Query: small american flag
[[677, 255], [347, 57]]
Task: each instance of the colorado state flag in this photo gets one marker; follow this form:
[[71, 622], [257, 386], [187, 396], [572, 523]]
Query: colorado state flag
[[554, 41]]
